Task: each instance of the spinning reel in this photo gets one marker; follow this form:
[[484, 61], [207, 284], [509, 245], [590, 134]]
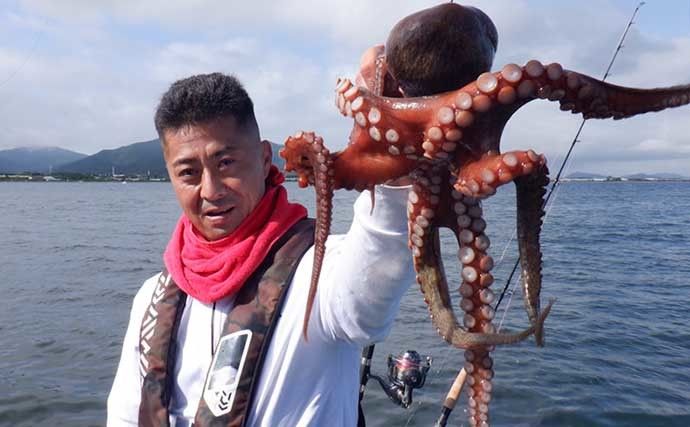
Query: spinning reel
[[405, 373]]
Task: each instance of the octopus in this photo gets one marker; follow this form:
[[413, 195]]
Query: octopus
[[427, 106]]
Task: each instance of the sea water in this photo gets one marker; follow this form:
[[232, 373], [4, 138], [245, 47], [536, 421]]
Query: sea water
[[616, 256]]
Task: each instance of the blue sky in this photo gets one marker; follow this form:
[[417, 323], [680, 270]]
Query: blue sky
[[87, 75]]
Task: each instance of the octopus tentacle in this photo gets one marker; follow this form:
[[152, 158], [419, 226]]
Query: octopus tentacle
[[382, 124], [530, 190], [481, 178], [597, 99], [512, 87], [476, 267], [359, 167], [594, 98], [440, 127], [426, 214], [479, 368], [306, 154]]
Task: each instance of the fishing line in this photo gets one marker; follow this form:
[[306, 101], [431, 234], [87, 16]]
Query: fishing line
[[32, 50], [547, 208], [511, 292], [554, 191], [557, 180], [449, 349]]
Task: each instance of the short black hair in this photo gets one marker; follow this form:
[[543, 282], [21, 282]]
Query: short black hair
[[203, 98]]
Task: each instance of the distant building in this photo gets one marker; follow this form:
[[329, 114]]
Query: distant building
[[118, 177]]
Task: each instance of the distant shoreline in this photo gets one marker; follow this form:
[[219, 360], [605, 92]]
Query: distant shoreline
[[35, 177], [294, 179], [615, 179], [75, 178]]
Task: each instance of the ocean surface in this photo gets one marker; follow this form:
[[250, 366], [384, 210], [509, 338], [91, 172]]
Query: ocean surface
[[616, 255]]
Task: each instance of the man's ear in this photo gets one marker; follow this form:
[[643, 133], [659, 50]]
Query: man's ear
[[266, 156]]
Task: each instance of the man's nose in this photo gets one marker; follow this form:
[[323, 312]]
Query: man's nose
[[212, 187]]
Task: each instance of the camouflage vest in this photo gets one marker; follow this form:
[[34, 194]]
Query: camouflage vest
[[256, 309]]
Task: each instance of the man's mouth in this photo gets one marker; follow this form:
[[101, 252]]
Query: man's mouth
[[217, 213]]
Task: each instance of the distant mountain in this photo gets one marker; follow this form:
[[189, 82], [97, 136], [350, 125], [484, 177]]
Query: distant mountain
[[39, 159], [134, 159], [637, 176], [585, 175], [662, 175]]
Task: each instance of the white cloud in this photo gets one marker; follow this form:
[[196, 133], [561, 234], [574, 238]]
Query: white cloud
[[24, 22], [97, 74], [344, 20]]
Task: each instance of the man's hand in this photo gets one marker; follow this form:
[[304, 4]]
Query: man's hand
[[373, 73]]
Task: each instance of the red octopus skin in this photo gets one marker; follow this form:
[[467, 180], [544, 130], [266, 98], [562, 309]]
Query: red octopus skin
[[393, 136], [454, 139]]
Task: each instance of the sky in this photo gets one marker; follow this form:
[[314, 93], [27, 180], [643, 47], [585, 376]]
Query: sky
[[87, 75]]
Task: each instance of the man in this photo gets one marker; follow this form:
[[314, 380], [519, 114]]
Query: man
[[236, 222]]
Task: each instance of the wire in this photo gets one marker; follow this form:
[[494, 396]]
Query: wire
[[449, 349], [576, 139], [32, 50]]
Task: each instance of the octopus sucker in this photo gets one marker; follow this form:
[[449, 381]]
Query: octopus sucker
[[374, 115], [428, 106], [512, 73], [463, 101], [507, 95], [487, 82], [534, 68], [445, 115], [392, 136]]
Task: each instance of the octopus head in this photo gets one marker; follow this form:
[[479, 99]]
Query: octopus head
[[440, 49]]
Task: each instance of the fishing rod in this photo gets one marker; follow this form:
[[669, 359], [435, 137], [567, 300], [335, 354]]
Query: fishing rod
[[456, 388]]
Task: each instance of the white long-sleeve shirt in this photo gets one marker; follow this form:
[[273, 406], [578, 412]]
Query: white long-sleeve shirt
[[302, 383]]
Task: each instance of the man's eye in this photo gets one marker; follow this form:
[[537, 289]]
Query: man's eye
[[186, 172], [225, 163]]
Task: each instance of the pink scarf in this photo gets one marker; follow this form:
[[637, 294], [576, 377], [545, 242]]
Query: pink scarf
[[209, 271]]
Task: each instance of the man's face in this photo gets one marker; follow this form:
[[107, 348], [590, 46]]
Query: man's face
[[218, 172]]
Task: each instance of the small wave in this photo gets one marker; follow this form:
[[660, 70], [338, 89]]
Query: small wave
[[32, 410], [44, 344]]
